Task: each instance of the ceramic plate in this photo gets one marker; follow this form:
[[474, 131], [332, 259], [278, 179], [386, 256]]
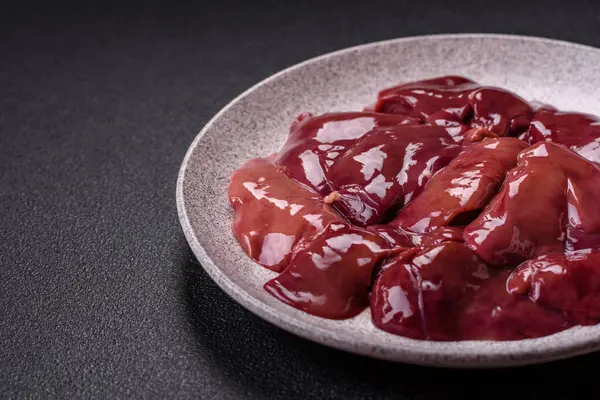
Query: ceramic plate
[[256, 123]]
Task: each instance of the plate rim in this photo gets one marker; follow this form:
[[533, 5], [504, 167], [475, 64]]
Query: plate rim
[[435, 357]]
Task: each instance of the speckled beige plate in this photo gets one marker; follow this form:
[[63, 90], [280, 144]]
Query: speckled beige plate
[[256, 123]]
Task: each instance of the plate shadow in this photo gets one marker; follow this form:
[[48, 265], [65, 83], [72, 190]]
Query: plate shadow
[[266, 361]]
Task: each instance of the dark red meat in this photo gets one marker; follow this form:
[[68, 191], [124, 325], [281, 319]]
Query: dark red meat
[[451, 209], [332, 275]]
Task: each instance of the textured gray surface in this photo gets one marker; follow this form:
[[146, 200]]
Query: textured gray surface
[[256, 124], [100, 296]]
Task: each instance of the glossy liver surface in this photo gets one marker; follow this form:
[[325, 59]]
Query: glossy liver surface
[[452, 210]]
